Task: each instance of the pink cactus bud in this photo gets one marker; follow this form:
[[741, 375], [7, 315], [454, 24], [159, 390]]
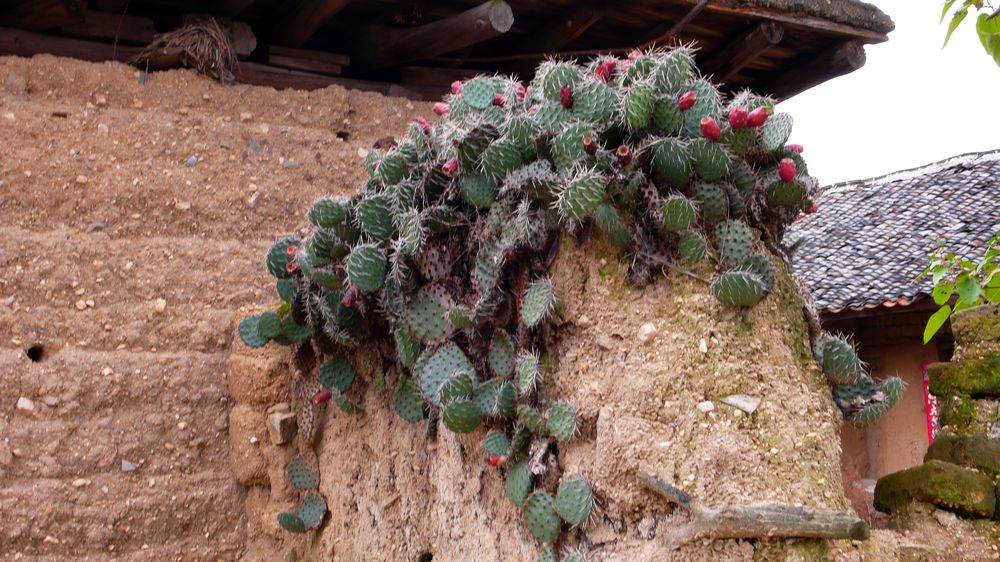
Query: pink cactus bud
[[450, 167], [710, 129], [423, 124], [496, 460], [606, 70], [290, 251], [589, 146], [566, 97], [509, 253], [738, 117], [350, 296], [624, 154], [812, 209], [456, 87], [758, 117], [687, 100], [440, 108], [534, 108], [634, 54], [498, 100], [796, 148], [522, 91], [786, 169], [323, 396], [293, 266]]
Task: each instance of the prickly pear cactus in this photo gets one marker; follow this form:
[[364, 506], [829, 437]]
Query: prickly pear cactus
[[439, 262], [860, 398]]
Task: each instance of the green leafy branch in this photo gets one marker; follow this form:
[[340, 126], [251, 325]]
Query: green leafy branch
[[987, 24], [968, 283]]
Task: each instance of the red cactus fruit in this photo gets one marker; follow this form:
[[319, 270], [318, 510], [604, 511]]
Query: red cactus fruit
[[566, 97], [440, 108], [456, 87], [589, 146], [498, 100], [423, 124], [450, 167], [350, 296], [710, 129], [509, 253], [758, 117], [624, 154], [738, 117], [496, 460], [605, 70], [812, 209], [323, 396], [786, 169], [687, 100], [797, 148]]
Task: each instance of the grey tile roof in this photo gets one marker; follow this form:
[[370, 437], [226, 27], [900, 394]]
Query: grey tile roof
[[870, 239]]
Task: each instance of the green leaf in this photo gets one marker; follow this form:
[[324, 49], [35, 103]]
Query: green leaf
[[968, 288], [942, 292], [940, 271], [955, 21], [988, 30], [935, 322], [947, 6]]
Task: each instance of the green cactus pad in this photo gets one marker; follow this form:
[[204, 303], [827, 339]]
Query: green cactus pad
[[462, 318], [277, 257], [868, 414], [292, 331], [521, 439], [336, 374], [667, 116], [561, 421], [375, 215], [738, 288], [760, 265], [478, 190], [291, 522], [639, 68], [582, 195], [346, 405], [671, 163], [547, 555], [556, 75], [496, 443], [470, 151], [518, 484], [527, 372], [609, 222], [775, 132], [786, 193], [522, 130], [323, 247], [538, 302], [638, 106], [286, 289], [543, 521], [706, 104], [712, 201], [312, 510], [441, 367], [393, 168], [709, 159], [739, 141], [501, 157], [486, 397], [742, 176], [407, 402], [478, 93], [552, 117], [428, 314], [673, 71], [366, 268], [839, 360], [594, 102], [574, 500], [328, 212], [679, 213], [249, 333], [458, 387], [501, 355], [692, 246], [507, 400], [530, 418], [733, 241], [269, 326], [412, 234], [567, 146], [301, 475], [462, 416], [737, 204]]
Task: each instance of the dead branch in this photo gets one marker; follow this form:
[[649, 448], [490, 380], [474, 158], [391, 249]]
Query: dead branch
[[754, 521]]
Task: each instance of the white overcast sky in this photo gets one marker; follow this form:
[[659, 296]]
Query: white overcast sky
[[911, 104]]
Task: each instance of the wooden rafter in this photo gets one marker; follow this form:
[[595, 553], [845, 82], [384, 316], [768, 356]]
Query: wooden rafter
[[39, 15], [304, 20], [791, 18], [562, 30], [112, 27], [732, 58], [379, 46], [837, 61]]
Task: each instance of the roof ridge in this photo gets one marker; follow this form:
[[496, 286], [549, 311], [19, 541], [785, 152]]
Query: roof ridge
[[908, 173]]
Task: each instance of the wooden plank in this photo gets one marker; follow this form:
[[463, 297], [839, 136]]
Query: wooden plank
[[39, 15], [103, 26], [837, 61], [232, 8], [732, 58], [324, 56], [26, 43], [304, 20], [308, 65], [429, 76], [789, 18], [562, 30], [283, 78], [379, 46]]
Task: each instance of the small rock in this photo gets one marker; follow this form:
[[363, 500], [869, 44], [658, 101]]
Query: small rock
[[742, 402], [160, 306], [49, 539], [191, 162], [290, 164], [254, 440], [81, 482], [100, 100], [945, 518], [706, 406], [81, 305], [646, 332], [246, 116], [183, 205], [128, 466], [584, 321], [82, 179], [96, 226], [703, 346], [102, 129], [51, 401], [605, 342], [25, 404], [281, 427], [182, 426]]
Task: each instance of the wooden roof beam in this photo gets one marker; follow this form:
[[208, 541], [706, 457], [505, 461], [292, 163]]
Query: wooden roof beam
[[839, 60], [562, 30], [732, 58], [380, 46], [39, 15], [305, 20]]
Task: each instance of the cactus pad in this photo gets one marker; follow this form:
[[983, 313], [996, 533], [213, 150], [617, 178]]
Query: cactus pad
[[530, 418], [543, 521], [428, 315], [277, 257], [328, 212], [594, 102], [527, 372], [440, 367], [556, 75], [336, 374], [638, 105], [507, 400], [462, 416], [458, 387], [561, 421], [673, 71], [710, 159], [496, 443], [538, 302], [407, 346], [478, 190], [501, 157], [667, 117], [738, 288], [375, 215], [291, 522], [366, 268], [712, 201], [692, 246], [407, 402], [775, 132], [581, 196], [671, 163], [501, 354], [760, 265], [312, 510], [478, 93], [733, 241], [301, 475], [839, 360], [786, 193], [574, 500], [679, 213], [249, 333], [518, 484]]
